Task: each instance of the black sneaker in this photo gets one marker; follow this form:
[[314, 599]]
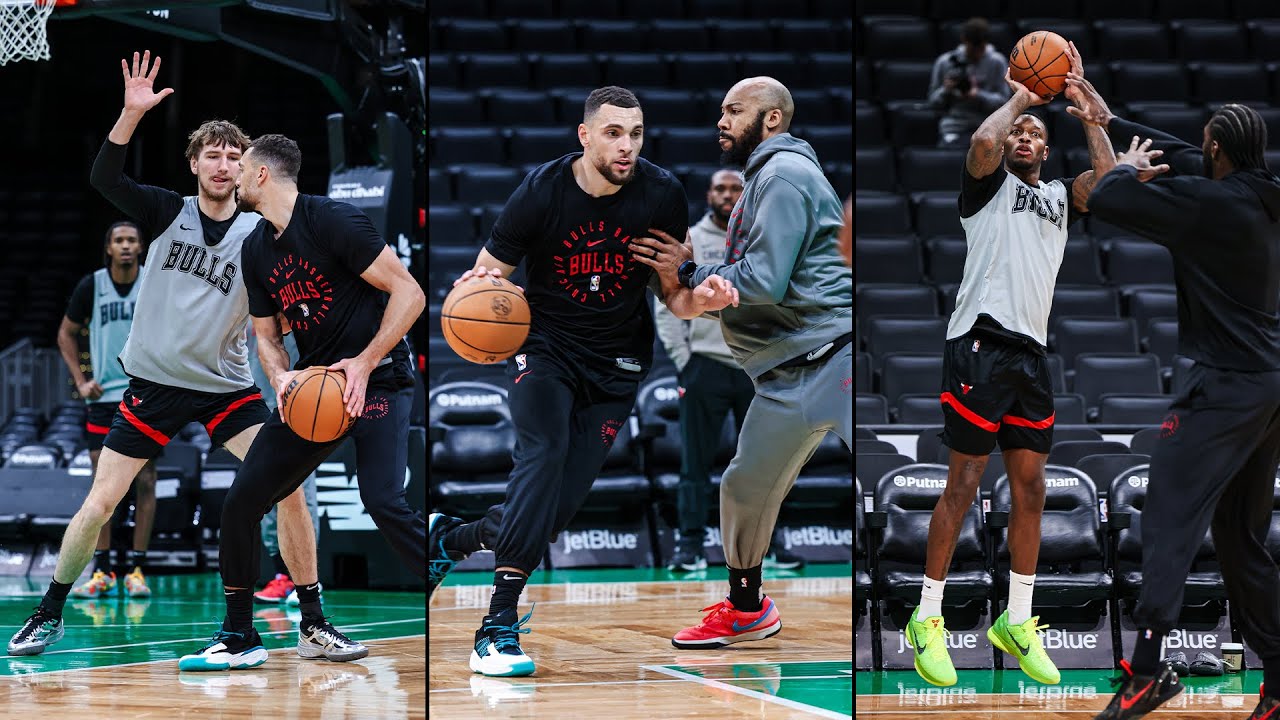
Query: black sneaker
[[1266, 709], [1178, 661], [1140, 694], [227, 651], [780, 559], [688, 557], [40, 631], [439, 560]]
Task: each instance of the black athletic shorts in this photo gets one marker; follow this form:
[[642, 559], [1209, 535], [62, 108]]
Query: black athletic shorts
[[995, 389], [151, 414], [97, 422]]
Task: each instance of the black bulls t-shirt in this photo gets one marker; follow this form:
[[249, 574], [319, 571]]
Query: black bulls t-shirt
[[312, 274], [586, 293]]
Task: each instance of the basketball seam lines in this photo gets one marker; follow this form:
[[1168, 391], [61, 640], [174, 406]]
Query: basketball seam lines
[[289, 410], [315, 416], [1040, 78], [495, 322]]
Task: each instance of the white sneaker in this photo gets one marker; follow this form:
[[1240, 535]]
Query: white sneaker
[[324, 640]]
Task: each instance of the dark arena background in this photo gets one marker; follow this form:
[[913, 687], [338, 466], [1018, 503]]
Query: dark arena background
[[346, 80], [1168, 64]]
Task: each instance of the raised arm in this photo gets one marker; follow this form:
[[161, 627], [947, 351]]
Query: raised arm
[[986, 147], [1182, 157], [139, 96]]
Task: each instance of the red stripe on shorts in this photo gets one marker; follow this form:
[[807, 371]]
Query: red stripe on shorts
[[143, 427], [230, 409], [967, 414], [1033, 424], [96, 429]]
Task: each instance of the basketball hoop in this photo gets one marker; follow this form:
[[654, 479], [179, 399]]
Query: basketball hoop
[[23, 30]]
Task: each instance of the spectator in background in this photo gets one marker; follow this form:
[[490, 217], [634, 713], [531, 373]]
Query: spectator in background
[[712, 383], [967, 84], [280, 587], [104, 301]]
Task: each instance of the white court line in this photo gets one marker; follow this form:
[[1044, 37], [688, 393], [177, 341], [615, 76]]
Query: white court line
[[924, 711], [361, 626], [749, 693], [3, 678], [541, 685]]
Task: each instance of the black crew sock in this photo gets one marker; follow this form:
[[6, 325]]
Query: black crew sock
[[239, 610], [102, 561], [464, 538], [1146, 652], [277, 562], [137, 558], [55, 597], [507, 586], [744, 589], [309, 604]]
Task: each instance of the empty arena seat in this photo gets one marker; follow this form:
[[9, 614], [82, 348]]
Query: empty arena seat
[[1183, 123], [1097, 375], [1094, 302], [1126, 409], [875, 169], [1078, 31], [830, 142], [466, 35], [877, 465], [914, 373], [551, 69], [1264, 39], [669, 107], [1147, 305], [1181, 366], [591, 8], [1162, 341], [862, 372], [687, 145], [888, 260], [735, 36], [1000, 33], [893, 334], [1105, 468], [454, 107], [1133, 40], [1070, 568], [923, 168], [818, 35], [712, 71], [901, 38], [542, 145], [1146, 80], [877, 300], [442, 71], [506, 108], [635, 69], [817, 107], [478, 186], [945, 259], [1080, 263], [474, 145], [669, 35], [907, 497], [867, 447], [1068, 408], [1201, 40], [861, 563], [541, 35], [495, 70], [1111, 9], [1069, 452], [35, 456], [912, 124], [470, 461], [901, 79], [870, 409], [937, 214], [919, 409], [1074, 336], [1139, 262], [881, 214], [520, 9], [1220, 82], [440, 190], [1127, 497], [616, 36]]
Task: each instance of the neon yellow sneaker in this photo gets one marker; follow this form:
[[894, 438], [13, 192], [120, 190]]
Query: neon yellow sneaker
[[928, 640], [1022, 642], [135, 584], [99, 586]]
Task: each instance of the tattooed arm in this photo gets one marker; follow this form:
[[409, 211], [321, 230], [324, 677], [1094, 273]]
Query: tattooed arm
[[1102, 157], [986, 147]]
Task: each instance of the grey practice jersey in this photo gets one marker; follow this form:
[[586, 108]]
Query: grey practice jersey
[[1016, 235], [189, 323]]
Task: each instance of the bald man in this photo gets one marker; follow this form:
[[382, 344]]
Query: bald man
[[792, 333]]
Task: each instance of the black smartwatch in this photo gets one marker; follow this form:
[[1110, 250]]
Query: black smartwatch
[[684, 273]]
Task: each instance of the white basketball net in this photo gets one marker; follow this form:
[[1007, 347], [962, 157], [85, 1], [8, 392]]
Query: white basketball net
[[23, 34]]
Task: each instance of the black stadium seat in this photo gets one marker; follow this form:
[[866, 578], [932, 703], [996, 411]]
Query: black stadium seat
[[888, 260], [1147, 80], [902, 79], [1183, 123], [668, 35], [552, 69], [1139, 262], [919, 409], [479, 186], [467, 35], [938, 214], [901, 38], [945, 259], [1083, 301], [1105, 468], [890, 334], [1124, 409], [543, 36], [506, 108], [1264, 39], [477, 145], [1080, 263], [1218, 83], [1144, 441], [877, 465], [875, 170], [1068, 408], [1069, 452], [635, 69], [615, 36], [454, 107], [1133, 40], [862, 376], [715, 72], [1097, 375], [870, 409], [1146, 305], [876, 300], [495, 70], [914, 373], [881, 215], [1162, 341], [931, 168], [832, 143], [1074, 336], [450, 224], [1201, 40]]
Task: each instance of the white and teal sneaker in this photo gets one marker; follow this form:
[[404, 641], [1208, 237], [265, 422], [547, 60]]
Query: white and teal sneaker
[[227, 651], [497, 651]]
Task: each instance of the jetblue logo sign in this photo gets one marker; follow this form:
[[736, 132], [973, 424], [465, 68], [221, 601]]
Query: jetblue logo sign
[[600, 539]]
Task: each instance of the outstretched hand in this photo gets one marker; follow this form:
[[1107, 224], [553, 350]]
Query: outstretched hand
[[1140, 157], [1077, 68], [715, 293], [139, 81]]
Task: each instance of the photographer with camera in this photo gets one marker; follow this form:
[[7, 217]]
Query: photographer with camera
[[967, 84]]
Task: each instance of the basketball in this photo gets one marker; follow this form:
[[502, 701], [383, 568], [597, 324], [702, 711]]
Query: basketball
[[485, 319], [313, 406], [1040, 61]]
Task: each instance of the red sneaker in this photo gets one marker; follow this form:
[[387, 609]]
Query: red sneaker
[[726, 625], [275, 591]]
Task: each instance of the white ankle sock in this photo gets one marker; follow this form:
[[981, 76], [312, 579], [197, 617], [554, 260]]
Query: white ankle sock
[[931, 598], [1020, 587]]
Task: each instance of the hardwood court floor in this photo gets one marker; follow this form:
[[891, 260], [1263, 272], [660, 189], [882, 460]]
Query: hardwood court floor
[[119, 658], [1008, 694], [602, 643]]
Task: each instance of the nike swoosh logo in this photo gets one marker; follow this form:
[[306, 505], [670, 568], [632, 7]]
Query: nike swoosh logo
[[184, 227], [511, 577], [753, 623], [1023, 650], [1126, 704], [915, 643], [289, 274], [1269, 713], [593, 244], [526, 372]]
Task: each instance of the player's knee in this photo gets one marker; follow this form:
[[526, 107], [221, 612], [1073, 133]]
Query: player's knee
[[98, 507]]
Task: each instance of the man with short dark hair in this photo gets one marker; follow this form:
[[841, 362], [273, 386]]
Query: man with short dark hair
[[1215, 464], [322, 266], [574, 381], [967, 84]]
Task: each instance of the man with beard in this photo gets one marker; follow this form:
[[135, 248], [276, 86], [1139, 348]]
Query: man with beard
[[104, 300], [590, 345], [996, 385], [185, 355], [1215, 463], [792, 335], [711, 384], [321, 265]]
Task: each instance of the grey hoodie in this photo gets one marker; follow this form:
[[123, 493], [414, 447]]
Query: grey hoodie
[[701, 335], [795, 291]]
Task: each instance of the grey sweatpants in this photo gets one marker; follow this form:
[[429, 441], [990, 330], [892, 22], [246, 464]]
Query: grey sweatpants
[[792, 410]]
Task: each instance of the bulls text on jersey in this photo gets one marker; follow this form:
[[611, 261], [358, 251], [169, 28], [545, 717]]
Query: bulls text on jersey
[[199, 262]]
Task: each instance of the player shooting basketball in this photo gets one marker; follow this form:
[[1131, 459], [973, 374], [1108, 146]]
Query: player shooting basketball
[[590, 345], [1218, 213]]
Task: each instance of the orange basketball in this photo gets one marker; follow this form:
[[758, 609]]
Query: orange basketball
[[313, 406], [1040, 62], [485, 319]]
